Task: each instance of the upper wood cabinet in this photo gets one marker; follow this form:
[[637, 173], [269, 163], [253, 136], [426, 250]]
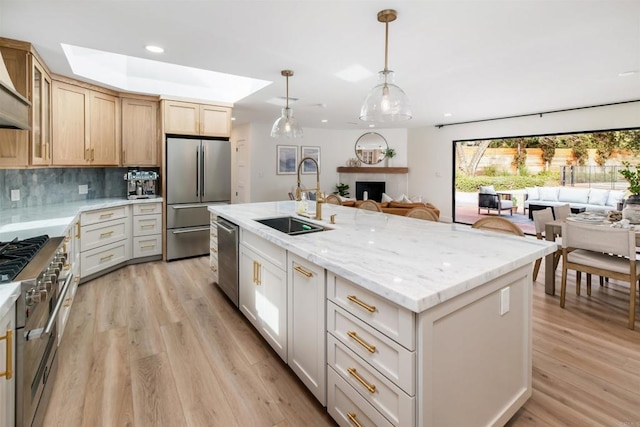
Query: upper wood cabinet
[[86, 126], [185, 118], [140, 142], [40, 114]]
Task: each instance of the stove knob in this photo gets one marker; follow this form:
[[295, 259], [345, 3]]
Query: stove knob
[[46, 286], [32, 297], [61, 259], [43, 293]]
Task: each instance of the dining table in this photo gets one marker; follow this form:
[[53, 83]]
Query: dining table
[[553, 229]]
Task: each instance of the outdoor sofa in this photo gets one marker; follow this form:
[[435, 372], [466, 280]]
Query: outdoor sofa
[[589, 199]]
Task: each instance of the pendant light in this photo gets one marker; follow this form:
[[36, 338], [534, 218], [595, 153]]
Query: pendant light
[[386, 102], [286, 125]]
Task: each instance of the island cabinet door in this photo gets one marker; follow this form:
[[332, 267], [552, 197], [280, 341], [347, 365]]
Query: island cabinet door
[[263, 298], [306, 324]]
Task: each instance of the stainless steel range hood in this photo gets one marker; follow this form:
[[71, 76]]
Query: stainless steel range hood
[[14, 108]]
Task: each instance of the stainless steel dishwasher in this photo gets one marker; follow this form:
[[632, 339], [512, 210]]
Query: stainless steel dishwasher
[[228, 236]]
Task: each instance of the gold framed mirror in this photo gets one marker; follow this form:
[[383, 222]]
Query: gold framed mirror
[[370, 148]]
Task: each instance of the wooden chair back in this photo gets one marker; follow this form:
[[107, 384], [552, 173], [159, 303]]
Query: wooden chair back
[[332, 199], [498, 224], [370, 205], [422, 213]]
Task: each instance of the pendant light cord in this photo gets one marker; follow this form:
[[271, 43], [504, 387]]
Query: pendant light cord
[[287, 93], [386, 45]]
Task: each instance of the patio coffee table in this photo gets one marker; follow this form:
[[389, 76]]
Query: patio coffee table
[[534, 207]]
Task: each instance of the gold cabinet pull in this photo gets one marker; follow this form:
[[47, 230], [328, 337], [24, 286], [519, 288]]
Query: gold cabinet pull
[[107, 234], [78, 230], [256, 272], [93, 154], [106, 215], [106, 258], [354, 374], [8, 371], [86, 155], [259, 273], [353, 298], [147, 246], [67, 239], [147, 209], [145, 226], [370, 348], [67, 302], [353, 419], [302, 271]]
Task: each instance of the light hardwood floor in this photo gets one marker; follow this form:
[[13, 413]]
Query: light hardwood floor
[[158, 344]]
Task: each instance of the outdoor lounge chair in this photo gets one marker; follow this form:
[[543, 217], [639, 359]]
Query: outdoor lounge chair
[[490, 200]]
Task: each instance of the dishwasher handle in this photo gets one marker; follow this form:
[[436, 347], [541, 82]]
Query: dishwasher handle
[[221, 224]]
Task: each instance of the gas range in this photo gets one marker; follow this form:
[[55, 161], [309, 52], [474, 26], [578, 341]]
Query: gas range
[[15, 255]]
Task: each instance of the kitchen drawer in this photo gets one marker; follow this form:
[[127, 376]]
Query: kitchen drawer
[[93, 217], [387, 356], [147, 245], [275, 254], [394, 404], [347, 407], [144, 225], [147, 208], [96, 235], [396, 322], [96, 260]]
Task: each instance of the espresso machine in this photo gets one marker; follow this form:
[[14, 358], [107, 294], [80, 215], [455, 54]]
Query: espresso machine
[[141, 184]]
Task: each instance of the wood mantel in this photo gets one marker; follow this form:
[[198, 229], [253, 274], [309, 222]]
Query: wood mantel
[[349, 169]]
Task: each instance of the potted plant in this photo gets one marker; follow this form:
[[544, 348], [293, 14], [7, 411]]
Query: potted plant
[[631, 207], [342, 189], [389, 153]]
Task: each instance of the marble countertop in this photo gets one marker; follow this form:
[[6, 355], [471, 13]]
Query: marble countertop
[[52, 219], [8, 295], [415, 263]]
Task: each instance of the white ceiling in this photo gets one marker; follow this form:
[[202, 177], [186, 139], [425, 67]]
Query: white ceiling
[[474, 59]]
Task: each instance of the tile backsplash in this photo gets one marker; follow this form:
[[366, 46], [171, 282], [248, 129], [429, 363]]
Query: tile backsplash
[[40, 187]]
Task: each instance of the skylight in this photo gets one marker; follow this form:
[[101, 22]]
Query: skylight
[[159, 78]]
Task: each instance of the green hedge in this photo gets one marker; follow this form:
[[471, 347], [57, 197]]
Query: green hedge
[[501, 183]]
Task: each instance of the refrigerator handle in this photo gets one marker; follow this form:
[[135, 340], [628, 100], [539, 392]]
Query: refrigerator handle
[[197, 171], [204, 170]]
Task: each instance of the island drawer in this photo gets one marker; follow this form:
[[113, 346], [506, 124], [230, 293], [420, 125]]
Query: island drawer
[[387, 356], [347, 407], [93, 217], [396, 322], [147, 208], [393, 403], [275, 254]]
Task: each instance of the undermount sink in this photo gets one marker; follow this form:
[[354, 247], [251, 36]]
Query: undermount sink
[[291, 225]]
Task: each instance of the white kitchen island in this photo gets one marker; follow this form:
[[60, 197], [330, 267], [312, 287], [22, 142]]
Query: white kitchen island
[[423, 323]]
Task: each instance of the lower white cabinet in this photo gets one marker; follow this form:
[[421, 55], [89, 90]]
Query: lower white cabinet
[[8, 382], [306, 324], [146, 229], [213, 247], [263, 290], [101, 258]]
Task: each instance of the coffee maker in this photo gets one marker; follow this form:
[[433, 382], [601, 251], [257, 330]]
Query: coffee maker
[[141, 184]]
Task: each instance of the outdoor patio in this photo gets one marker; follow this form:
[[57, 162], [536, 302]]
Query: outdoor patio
[[467, 212]]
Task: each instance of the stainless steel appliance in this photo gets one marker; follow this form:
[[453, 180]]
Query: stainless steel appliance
[[228, 236], [141, 184], [39, 265], [198, 174]]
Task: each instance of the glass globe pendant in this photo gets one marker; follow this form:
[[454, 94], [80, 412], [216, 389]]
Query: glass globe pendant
[[386, 102], [286, 124]]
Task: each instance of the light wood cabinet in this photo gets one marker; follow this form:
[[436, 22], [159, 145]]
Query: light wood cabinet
[[185, 118], [140, 142], [40, 114], [8, 385], [306, 324], [86, 126], [263, 289], [14, 148]]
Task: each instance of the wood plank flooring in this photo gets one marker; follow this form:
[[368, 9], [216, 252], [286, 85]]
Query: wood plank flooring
[[158, 344]]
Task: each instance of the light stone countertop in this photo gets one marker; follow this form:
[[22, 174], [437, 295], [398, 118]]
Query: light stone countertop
[[9, 293], [415, 263]]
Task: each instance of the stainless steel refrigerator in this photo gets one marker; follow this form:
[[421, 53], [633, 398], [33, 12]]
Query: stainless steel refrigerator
[[198, 174]]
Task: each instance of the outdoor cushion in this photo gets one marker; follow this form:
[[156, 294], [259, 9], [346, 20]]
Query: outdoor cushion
[[533, 193], [487, 189], [573, 195], [598, 197], [615, 196], [549, 193]]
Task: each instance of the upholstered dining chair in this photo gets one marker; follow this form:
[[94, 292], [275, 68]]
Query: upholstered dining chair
[[540, 219], [605, 251], [370, 205], [332, 199], [422, 213], [562, 212], [499, 224]]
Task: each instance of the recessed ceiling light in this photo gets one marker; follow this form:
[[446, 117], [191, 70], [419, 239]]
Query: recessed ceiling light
[[324, 120], [627, 73], [448, 114], [154, 49], [372, 126], [233, 119]]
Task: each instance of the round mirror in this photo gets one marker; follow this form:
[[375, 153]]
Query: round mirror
[[370, 148]]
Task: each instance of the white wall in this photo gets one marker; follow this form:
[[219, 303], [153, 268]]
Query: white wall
[[430, 150], [336, 147]]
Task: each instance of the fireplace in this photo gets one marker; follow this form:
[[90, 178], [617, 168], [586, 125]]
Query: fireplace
[[374, 190]]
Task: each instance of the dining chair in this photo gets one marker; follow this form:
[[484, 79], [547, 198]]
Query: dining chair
[[422, 213], [540, 219], [499, 224], [562, 212], [332, 199], [605, 251], [370, 205]]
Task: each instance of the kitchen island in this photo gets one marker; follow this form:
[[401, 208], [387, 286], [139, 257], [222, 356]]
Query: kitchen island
[[448, 308]]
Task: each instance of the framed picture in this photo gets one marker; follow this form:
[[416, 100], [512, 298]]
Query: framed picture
[[308, 167], [287, 159]]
